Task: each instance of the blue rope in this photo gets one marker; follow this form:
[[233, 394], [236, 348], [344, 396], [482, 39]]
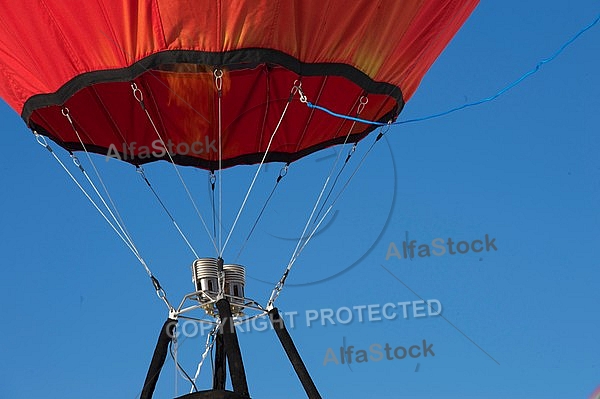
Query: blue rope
[[473, 104]]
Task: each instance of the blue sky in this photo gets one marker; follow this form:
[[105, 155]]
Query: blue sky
[[81, 318]]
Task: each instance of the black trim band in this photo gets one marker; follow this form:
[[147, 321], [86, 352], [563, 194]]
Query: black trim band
[[247, 159], [235, 59]]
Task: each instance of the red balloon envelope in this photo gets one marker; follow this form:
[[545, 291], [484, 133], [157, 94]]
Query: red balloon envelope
[[216, 70]]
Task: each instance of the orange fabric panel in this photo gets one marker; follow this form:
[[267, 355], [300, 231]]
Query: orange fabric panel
[[84, 55], [390, 41], [45, 44]]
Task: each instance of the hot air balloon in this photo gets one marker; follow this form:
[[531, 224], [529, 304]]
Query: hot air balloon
[[215, 85]]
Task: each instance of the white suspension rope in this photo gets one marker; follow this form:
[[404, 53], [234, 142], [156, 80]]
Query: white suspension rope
[[117, 220], [160, 292], [303, 238], [122, 229], [137, 93], [279, 286], [294, 90], [219, 86], [209, 344], [362, 102], [211, 183], [42, 141], [325, 184], [178, 371]]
